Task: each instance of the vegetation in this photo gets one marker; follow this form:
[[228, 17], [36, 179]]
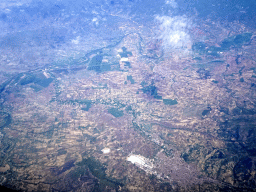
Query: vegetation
[[236, 41], [170, 101], [206, 111], [115, 112], [125, 53], [129, 78], [5, 119], [95, 63], [98, 171], [150, 90]]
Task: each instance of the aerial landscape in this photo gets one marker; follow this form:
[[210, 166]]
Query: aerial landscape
[[128, 95]]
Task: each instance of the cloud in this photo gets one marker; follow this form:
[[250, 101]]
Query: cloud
[[172, 3], [173, 32]]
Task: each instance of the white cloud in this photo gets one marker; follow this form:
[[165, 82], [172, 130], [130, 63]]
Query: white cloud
[[173, 32], [172, 3]]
